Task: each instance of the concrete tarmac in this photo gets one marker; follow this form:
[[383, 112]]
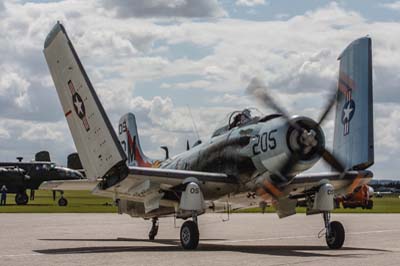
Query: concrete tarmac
[[246, 239]]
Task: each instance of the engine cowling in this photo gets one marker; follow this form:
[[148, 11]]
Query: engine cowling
[[278, 142]]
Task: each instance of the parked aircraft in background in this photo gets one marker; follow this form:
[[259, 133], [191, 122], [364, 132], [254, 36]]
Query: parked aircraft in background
[[262, 156], [21, 176]]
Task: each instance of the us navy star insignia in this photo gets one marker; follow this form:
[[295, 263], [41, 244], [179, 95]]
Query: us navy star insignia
[[78, 105]]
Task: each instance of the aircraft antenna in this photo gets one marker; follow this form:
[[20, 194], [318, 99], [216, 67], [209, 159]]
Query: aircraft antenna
[[194, 124]]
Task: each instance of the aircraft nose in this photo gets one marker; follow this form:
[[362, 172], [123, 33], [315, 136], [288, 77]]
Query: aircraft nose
[[307, 139]]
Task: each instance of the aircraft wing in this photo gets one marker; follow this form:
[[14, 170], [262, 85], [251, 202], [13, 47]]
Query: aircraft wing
[[175, 177], [143, 184], [286, 197], [168, 177], [343, 184], [82, 184], [146, 182]]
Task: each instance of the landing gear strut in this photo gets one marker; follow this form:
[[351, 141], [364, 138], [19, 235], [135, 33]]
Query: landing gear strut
[[335, 233], [190, 233], [154, 229]]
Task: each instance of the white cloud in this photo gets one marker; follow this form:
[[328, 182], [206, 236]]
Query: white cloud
[[394, 5], [2, 7], [165, 8], [295, 57], [250, 2], [282, 16], [13, 87]]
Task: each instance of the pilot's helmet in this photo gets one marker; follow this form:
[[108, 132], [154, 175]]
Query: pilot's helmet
[[247, 113]]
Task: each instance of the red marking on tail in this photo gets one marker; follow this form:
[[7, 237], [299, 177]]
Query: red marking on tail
[[137, 156], [346, 84]]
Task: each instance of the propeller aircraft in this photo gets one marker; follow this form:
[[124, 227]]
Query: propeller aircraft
[[263, 156], [20, 176]]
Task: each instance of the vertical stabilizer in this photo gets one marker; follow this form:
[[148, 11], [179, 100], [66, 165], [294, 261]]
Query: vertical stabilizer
[[93, 135], [129, 138], [353, 140]]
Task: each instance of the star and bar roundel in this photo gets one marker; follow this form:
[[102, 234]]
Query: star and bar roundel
[[79, 106], [346, 86]]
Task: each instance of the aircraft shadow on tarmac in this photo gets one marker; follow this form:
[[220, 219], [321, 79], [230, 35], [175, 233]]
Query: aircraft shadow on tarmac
[[173, 245]]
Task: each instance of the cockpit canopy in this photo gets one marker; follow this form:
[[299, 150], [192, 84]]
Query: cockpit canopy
[[236, 119]]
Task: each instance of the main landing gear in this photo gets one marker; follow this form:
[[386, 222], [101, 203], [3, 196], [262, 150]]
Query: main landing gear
[[335, 233], [62, 202], [190, 233], [191, 205], [21, 198]]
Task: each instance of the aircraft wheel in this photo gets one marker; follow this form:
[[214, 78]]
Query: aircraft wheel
[[62, 202], [189, 235], [21, 199], [335, 238]]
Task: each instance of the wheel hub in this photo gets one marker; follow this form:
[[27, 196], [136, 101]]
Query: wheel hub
[[185, 235]]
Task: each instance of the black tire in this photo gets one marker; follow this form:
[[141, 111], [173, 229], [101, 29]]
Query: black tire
[[21, 198], [336, 237], [62, 202], [189, 235]]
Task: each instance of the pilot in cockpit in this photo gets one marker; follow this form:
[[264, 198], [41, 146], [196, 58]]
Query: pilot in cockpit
[[241, 118]]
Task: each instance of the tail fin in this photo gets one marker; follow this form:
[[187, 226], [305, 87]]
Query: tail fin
[[353, 137], [73, 162], [129, 138], [42, 156], [94, 137]]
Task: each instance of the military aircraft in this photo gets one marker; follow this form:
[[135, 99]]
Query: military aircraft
[[20, 176], [262, 156]]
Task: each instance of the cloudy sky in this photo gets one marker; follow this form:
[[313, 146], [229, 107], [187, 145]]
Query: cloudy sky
[[157, 58]]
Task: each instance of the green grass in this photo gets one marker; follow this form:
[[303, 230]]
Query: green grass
[[85, 202], [387, 204], [78, 202]]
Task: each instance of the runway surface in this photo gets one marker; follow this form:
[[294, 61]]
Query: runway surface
[[247, 239]]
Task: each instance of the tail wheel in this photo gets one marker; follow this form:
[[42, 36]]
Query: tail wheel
[[62, 202], [189, 235], [335, 238]]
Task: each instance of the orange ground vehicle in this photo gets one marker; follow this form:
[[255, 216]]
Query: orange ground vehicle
[[360, 197]]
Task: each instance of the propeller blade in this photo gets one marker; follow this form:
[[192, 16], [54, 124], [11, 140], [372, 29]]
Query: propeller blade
[[258, 89], [290, 164], [331, 160], [331, 102]]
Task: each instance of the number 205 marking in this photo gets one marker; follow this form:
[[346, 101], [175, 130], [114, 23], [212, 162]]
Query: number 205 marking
[[264, 142]]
